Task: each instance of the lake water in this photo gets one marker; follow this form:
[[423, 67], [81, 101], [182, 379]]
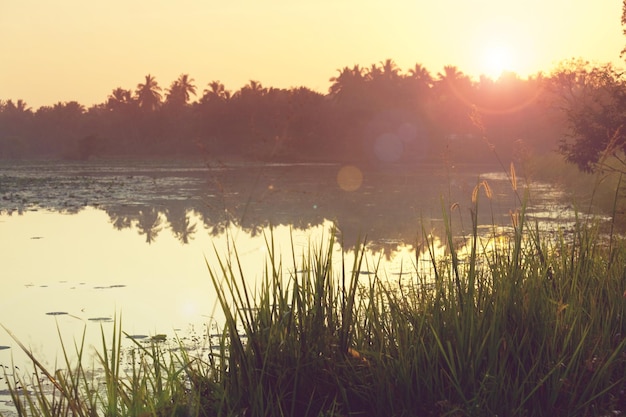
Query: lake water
[[82, 243]]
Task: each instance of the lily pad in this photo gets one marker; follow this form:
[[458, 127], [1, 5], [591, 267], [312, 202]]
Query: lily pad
[[108, 287], [102, 319], [137, 336], [159, 338]]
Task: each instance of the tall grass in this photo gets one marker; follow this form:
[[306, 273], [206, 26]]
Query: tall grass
[[526, 325]]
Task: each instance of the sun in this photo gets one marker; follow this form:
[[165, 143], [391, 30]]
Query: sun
[[497, 58]]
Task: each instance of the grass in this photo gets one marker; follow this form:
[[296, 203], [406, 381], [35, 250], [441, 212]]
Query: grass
[[526, 325]]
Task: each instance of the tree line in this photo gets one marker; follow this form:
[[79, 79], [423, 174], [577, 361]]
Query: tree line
[[378, 113]]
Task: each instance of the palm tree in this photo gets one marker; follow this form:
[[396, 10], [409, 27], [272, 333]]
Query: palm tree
[[18, 107], [181, 225], [419, 83], [216, 91], [374, 72], [181, 90], [149, 224], [455, 100], [148, 93], [450, 72], [349, 79], [389, 69], [252, 88], [421, 74], [454, 77], [120, 221], [453, 81], [69, 110], [119, 99]]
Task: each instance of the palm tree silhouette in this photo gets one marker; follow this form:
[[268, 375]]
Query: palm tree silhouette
[[374, 72], [216, 92], [119, 99], [120, 221], [181, 226], [454, 82], [348, 81], [148, 94], [252, 89], [453, 76], [421, 74], [18, 107], [181, 90], [149, 224], [389, 69]]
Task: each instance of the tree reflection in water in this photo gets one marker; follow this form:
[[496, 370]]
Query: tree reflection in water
[[391, 206], [180, 224], [149, 224]]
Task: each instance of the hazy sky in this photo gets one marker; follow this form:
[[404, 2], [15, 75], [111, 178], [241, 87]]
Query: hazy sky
[[80, 50]]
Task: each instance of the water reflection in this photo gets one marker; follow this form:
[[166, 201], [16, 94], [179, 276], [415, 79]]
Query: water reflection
[[390, 205], [149, 223], [80, 272], [80, 243]]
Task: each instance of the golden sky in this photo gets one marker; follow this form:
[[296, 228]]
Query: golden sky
[[80, 50]]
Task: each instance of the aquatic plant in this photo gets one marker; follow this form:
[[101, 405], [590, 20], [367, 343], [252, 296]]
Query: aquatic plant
[[521, 324]]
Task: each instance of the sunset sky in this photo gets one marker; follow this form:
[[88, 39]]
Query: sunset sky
[[80, 50]]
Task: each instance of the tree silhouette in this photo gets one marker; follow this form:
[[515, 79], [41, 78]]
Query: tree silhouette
[[149, 224], [18, 107], [252, 89], [119, 99], [120, 221], [181, 225], [216, 92], [347, 82], [148, 94], [452, 76], [373, 72], [261, 123], [420, 73], [454, 90], [389, 69], [593, 100], [181, 90], [16, 121]]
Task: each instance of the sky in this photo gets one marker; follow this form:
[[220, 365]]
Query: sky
[[64, 50]]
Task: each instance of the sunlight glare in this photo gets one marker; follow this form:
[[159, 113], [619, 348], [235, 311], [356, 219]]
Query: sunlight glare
[[497, 59]]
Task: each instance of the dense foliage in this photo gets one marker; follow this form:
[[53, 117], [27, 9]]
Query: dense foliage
[[378, 113], [593, 99]]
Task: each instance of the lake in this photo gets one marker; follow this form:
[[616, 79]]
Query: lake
[[84, 243]]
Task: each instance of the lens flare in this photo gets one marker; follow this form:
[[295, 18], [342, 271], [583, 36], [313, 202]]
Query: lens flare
[[388, 147], [349, 178]]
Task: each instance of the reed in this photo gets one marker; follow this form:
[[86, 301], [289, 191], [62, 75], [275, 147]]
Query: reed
[[521, 325]]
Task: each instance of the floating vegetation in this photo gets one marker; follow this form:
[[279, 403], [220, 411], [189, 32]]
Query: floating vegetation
[[57, 313], [100, 287], [137, 336], [101, 319]]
